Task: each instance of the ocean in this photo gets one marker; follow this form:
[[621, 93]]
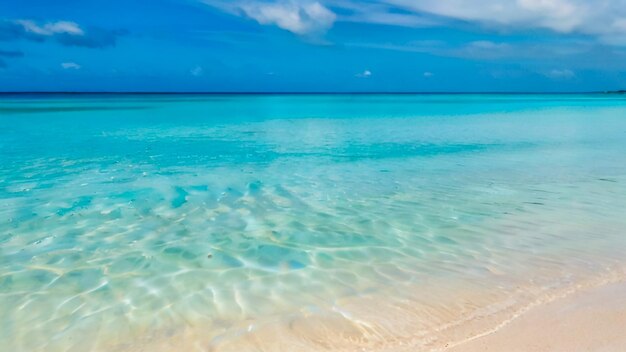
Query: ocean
[[300, 222]]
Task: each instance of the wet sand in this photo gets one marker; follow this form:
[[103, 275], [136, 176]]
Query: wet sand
[[592, 318], [589, 320]]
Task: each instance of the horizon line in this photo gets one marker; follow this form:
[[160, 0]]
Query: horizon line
[[300, 92]]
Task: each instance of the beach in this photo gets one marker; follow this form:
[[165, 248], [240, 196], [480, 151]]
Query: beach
[[584, 318], [590, 320], [354, 222]]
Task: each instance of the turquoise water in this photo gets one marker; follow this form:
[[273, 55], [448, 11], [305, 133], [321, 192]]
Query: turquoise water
[[129, 217]]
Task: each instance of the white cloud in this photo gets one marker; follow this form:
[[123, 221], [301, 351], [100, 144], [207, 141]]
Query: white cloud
[[560, 74], [484, 49], [71, 65], [602, 19], [560, 15], [197, 71], [299, 17], [364, 74], [488, 50], [51, 28]]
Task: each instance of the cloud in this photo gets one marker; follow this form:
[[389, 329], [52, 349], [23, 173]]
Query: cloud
[[304, 18], [560, 15], [364, 74], [602, 19], [560, 74], [197, 71], [71, 65], [64, 32], [480, 49], [52, 28], [489, 50]]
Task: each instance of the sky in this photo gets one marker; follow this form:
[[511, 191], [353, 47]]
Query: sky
[[313, 45]]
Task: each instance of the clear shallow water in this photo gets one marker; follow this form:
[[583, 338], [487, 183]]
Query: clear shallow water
[[129, 219]]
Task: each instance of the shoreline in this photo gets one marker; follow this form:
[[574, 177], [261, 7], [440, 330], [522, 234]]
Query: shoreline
[[591, 319], [587, 316]]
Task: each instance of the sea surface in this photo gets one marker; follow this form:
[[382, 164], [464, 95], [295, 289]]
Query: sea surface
[[300, 222]]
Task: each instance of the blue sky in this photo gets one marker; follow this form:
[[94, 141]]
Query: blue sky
[[317, 45]]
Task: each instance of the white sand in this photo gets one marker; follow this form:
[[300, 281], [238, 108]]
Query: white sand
[[590, 320]]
